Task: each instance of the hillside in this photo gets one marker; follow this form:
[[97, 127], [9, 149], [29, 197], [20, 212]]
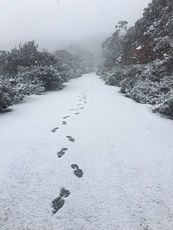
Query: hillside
[[152, 36], [141, 60]]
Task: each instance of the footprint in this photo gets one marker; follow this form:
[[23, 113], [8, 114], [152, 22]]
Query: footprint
[[82, 108], [62, 152], [77, 113], [64, 192], [77, 171], [70, 138], [58, 203], [79, 104], [66, 117], [54, 130], [64, 122], [74, 166]]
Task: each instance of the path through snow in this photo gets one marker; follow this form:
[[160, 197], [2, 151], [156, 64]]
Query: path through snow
[[85, 158]]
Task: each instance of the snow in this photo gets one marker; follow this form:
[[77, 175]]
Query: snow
[[139, 47], [124, 150], [151, 27]]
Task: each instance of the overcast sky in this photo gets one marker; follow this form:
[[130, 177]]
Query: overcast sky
[[64, 19]]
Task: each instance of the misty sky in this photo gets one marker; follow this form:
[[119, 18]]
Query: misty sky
[[64, 19]]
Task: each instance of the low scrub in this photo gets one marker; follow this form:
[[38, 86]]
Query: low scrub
[[6, 95], [151, 83]]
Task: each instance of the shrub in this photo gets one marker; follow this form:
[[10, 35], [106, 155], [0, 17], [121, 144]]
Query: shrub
[[166, 108], [45, 76], [144, 92], [27, 55], [50, 77], [6, 95], [115, 77]]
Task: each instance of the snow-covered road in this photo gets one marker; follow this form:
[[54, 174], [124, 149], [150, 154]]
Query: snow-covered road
[[112, 156]]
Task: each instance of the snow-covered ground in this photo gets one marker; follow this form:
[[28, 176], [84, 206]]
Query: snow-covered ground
[[124, 151]]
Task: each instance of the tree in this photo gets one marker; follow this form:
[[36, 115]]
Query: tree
[[122, 25], [26, 55], [113, 46]]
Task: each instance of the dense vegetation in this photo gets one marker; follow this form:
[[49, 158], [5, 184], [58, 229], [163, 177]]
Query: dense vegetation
[[26, 70], [140, 59]]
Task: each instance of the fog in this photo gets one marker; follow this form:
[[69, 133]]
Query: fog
[[49, 21]]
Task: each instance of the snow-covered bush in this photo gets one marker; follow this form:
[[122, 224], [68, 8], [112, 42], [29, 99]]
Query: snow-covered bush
[[156, 70], [127, 85], [46, 76], [25, 83], [50, 77], [114, 77], [151, 83], [131, 74], [64, 70], [25, 71], [31, 80], [166, 107], [144, 92], [45, 58], [6, 94], [27, 55], [35, 81], [28, 81]]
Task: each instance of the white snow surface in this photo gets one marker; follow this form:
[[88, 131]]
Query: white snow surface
[[124, 150]]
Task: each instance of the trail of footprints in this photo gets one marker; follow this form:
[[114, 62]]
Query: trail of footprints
[[58, 202]]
